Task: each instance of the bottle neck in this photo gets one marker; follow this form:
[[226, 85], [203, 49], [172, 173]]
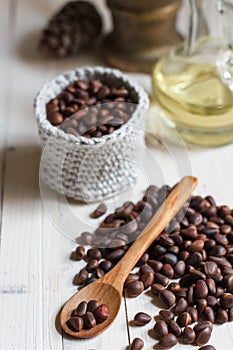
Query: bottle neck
[[199, 23]]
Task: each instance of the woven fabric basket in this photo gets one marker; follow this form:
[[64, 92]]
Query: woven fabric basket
[[90, 169]]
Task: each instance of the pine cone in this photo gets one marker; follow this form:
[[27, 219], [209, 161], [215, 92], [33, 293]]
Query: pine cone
[[75, 27]]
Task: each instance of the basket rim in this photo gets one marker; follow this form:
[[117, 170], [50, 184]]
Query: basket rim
[[40, 111]]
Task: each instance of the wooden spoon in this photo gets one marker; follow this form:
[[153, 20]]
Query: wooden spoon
[[108, 289]]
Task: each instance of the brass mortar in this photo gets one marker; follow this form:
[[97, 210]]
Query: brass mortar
[[143, 31]]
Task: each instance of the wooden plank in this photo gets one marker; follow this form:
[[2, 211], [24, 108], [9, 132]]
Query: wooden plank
[[20, 260], [23, 274], [214, 168], [52, 262], [35, 270], [5, 85]]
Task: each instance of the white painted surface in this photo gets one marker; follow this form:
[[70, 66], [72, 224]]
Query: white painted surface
[[35, 271]]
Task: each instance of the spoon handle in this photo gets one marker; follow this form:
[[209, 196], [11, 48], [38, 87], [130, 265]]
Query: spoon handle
[[173, 203]]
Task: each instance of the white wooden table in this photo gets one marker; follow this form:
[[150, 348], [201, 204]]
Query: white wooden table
[[35, 270]]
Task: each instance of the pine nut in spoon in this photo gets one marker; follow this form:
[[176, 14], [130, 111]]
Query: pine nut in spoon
[[108, 289]]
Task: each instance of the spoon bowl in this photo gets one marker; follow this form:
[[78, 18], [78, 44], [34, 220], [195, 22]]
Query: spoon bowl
[[108, 289], [104, 293]]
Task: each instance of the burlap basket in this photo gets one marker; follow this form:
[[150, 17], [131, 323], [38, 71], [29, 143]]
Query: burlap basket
[[96, 168]]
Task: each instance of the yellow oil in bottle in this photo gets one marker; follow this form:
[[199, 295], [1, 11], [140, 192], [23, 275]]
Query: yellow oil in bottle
[[195, 100]]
